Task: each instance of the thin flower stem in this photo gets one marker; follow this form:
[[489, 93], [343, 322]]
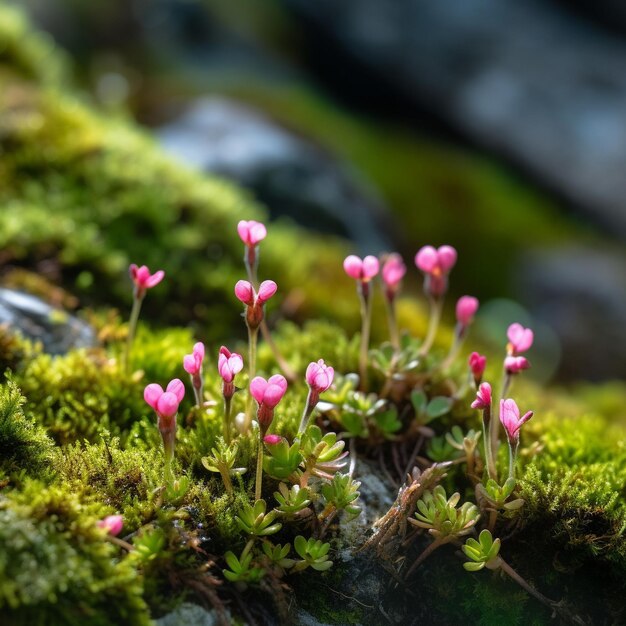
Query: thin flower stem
[[259, 469], [512, 458], [132, 329], [509, 571], [392, 321], [491, 464], [459, 337], [308, 409], [227, 404], [494, 426], [366, 322], [252, 343], [436, 305], [493, 518], [129, 547], [197, 392], [424, 555], [226, 479]]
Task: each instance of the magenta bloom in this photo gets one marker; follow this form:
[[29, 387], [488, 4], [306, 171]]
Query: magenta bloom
[[436, 265], [511, 420], [165, 403], [267, 393], [515, 364], [483, 397], [143, 279], [319, 376], [254, 301], [477, 363], [520, 338], [392, 273], [112, 524], [251, 232], [361, 269], [272, 440], [193, 362], [466, 308], [229, 364]]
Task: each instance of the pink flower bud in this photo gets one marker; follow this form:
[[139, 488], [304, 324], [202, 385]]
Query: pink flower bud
[[193, 362], [511, 420], [319, 376], [245, 292], [229, 364], [165, 403], [361, 269], [267, 393], [466, 308], [143, 279], [515, 364], [477, 363], [272, 440], [393, 271], [436, 262], [266, 290], [483, 397], [520, 338], [251, 232], [112, 524]]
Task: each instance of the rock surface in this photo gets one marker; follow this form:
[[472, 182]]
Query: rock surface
[[527, 80], [54, 328], [289, 174]]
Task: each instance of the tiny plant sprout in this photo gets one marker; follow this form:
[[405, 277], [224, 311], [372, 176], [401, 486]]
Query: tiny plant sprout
[[392, 273], [267, 393], [435, 264], [142, 281], [512, 422], [363, 271], [477, 363], [165, 404], [113, 524], [229, 364], [319, 378], [254, 302], [192, 363]]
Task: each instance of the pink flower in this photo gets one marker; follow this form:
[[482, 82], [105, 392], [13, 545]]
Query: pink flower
[[520, 338], [393, 272], [254, 301], [319, 376], [272, 440], [477, 363], [466, 308], [251, 232], [267, 393], [112, 524], [246, 293], [193, 362], [143, 279], [515, 364], [483, 397], [165, 403], [511, 420], [229, 364], [361, 269], [436, 262], [436, 265]]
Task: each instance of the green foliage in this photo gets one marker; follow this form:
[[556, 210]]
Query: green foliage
[[24, 445], [282, 460], [241, 569], [323, 454], [482, 552], [292, 501], [254, 521], [56, 566], [312, 553], [342, 493]]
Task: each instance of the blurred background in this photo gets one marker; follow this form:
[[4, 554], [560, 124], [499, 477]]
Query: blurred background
[[497, 126]]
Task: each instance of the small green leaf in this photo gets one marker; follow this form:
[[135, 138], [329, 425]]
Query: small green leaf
[[439, 406], [418, 400]]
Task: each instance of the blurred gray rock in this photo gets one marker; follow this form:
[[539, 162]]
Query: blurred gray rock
[[579, 292], [289, 174], [34, 319], [188, 614], [526, 79]]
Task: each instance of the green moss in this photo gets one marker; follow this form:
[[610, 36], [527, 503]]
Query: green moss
[[56, 566], [24, 445]]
